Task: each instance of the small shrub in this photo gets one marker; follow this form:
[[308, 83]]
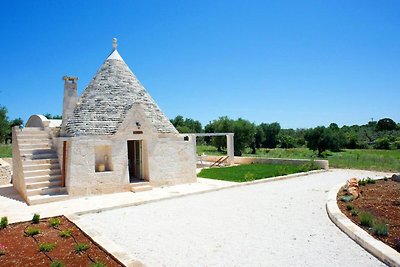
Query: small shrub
[[31, 231], [98, 264], [3, 222], [380, 228], [56, 263], [385, 179], [35, 218], [66, 233], [366, 219], [54, 222], [354, 212], [370, 181], [80, 247], [46, 247], [362, 182], [349, 207], [346, 198]]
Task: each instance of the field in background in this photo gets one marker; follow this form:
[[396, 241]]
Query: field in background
[[364, 159], [5, 151]]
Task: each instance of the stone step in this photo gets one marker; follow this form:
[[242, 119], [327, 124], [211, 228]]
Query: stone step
[[35, 173], [140, 187], [43, 178], [34, 141], [39, 156], [33, 129], [35, 151], [28, 162], [43, 166], [52, 190], [23, 135], [41, 199], [43, 184], [33, 146]]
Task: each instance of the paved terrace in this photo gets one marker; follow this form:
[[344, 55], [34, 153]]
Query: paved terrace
[[279, 223]]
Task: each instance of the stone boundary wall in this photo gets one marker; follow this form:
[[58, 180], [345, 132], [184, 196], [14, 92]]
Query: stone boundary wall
[[323, 164], [5, 172]]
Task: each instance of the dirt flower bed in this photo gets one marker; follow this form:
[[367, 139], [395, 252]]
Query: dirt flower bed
[[50, 242], [377, 210]]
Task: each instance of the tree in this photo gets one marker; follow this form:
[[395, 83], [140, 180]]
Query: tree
[[244, 135], [271, 132], [4, 124], [386, 124], [321, 139], [52, 117], [186, 125]]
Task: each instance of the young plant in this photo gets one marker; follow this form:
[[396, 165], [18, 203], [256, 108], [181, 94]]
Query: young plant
[[349, 207], [56, 263], [380, 228], [36, 218], [385, 179], [3, 222], [66, 233], [346, 198], [2, 250], [46, 247], [54, 222], [98, 264], [31, 231], [362, 182], [354, 212], [370, 181], [80, 247], [366, 219]]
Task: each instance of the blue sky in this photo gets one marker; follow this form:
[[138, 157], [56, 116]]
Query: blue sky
[[300, 63]]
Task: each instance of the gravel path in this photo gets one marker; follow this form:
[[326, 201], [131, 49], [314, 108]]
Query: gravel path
[[282, 223]]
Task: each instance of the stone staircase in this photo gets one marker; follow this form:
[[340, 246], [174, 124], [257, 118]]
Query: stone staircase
[[41, 169]]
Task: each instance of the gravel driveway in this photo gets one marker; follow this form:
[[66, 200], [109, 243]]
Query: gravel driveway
[[281, 223]]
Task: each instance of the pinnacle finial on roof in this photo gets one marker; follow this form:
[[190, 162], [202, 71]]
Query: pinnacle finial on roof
[[115, 43]]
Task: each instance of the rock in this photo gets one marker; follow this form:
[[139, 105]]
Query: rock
[[396, 177], [353, 188]]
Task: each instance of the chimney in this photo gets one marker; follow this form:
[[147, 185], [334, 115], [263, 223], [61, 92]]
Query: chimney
[[70, 99]]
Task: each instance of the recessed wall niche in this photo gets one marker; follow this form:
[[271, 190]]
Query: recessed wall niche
[[103, 159]]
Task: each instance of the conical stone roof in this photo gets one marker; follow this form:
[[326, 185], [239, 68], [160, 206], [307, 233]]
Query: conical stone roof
[[107, 99]]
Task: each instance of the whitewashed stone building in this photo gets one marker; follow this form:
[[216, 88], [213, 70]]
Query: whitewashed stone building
[[112, 138]]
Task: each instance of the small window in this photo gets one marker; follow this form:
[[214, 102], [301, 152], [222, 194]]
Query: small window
[[186, 138], [103, 160]]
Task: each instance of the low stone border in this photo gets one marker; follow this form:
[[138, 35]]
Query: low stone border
[[377, 248], [117, 252]]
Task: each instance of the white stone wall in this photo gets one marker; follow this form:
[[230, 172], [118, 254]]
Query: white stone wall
[[172, 162], [18, 176], [5, 172]]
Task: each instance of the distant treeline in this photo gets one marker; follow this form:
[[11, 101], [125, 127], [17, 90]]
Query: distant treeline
[[382, 134]]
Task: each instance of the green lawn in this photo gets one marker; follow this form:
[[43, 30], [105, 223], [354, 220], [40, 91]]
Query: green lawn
[[244, 173], [5, 151], [365, 159]]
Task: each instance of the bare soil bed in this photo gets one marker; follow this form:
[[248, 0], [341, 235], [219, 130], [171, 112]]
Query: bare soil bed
[[22, 249], [382, 200]]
